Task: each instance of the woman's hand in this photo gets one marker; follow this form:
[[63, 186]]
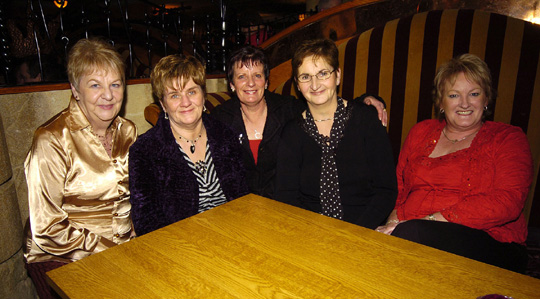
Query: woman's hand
[[381, 111], [391, 223], [388, 228]]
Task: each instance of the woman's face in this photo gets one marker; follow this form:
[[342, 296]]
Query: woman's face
[[463, 103], [318, 91], [100, 95], [184, 106], [249, 83]]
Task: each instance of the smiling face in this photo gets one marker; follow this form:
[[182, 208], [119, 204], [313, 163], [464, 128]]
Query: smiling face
[[183, 104], [249, 83], [100, 95], [463, 103], [316, 91]]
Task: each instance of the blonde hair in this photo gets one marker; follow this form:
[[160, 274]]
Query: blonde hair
[[174, 67], [90, 55], [474, 69]]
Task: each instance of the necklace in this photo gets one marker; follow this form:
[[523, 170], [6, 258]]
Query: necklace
[[192, 147], [324, 119], [257, 135], [106, 140], [454, 141]]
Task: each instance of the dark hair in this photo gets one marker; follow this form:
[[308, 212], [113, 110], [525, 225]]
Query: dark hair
[[319, 48], [247, 55], [474, 69]]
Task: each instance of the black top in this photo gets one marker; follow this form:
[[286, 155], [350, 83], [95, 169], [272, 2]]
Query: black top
[[281, 109], [367, 175]]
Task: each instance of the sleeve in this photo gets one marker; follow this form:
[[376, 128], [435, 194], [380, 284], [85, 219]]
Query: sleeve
[[234, 180], [511, 180], [46, 169], [144, 190], [288, 166], [380, 158]]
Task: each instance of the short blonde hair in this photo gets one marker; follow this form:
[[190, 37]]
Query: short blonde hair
[[474, 69], [175, 67], [90, 55]]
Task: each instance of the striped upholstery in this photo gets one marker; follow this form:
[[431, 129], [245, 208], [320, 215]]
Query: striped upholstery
[[216, 98], [398, 62]]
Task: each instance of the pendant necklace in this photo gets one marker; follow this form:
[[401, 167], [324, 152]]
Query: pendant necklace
[[454, 141], [257, 135], [192, 147]]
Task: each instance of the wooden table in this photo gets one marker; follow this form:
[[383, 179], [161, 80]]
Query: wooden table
[[255, 247]]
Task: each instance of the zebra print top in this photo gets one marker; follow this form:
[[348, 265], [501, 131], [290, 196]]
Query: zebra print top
[[210, 193]]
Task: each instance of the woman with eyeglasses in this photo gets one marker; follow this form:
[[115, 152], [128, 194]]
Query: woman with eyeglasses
[[336, 158], [258, 115]]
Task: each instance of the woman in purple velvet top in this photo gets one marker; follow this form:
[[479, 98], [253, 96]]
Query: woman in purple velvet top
[[187, 163]]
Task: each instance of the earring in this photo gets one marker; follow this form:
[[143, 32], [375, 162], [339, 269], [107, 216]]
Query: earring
[[266, 86], [204, 109], [485, 108], [232, 88], [441, 111], [166, 116]]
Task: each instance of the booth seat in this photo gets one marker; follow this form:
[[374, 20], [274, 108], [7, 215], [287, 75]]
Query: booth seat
[[398, 61]]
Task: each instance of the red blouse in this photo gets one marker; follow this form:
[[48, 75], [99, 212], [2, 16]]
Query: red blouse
[[254, 146], [484, 186]]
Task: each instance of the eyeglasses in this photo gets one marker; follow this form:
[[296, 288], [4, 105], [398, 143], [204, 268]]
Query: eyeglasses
[[322, 75]]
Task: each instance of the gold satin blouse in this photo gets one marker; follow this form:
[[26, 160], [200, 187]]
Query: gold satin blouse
[[77, 194]]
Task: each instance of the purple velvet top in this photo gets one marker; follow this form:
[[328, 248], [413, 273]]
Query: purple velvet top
[[163, 188]]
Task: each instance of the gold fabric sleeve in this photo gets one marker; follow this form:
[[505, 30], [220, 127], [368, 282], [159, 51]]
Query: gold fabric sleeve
[[77, 194]]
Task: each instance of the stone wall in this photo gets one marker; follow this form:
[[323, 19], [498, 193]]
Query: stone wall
[[15, 282]]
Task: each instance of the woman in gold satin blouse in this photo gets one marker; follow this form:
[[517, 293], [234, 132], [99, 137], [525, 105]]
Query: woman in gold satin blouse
[[77, 168]]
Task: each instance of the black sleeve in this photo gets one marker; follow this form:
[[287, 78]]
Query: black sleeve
[[144, 190], [288, 165], [383, 173]]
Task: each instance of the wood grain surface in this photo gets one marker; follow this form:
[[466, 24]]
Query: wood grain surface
[[255, 247]]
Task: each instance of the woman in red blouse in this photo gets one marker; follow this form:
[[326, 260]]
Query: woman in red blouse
[[463, 181]]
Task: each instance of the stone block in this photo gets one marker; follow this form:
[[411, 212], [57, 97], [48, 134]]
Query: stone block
[[15, 281], [11, 238], [5, 164]]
